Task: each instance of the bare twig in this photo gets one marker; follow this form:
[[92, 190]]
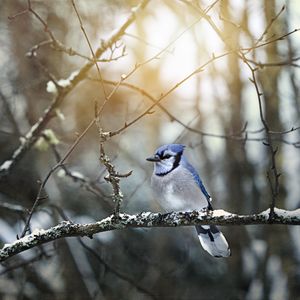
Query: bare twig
[[165, 49], [270, 25], [242, 136], [288, 62], [32, 52], [54, 42], [113, 176], [164, 95], [91, 49], [146, 42], [44, 182], [280, 38], [86, 182], [273, 185]]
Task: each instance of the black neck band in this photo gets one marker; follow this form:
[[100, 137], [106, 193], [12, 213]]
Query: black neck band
[[175, 165]]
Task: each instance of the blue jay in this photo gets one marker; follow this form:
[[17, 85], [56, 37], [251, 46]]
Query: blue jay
[[179, 187]]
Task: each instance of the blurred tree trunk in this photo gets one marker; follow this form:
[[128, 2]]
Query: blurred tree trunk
[[74, 286], [238, 169], [273, 235]]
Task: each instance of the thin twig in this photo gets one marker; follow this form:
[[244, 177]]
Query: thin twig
[[288, 62], [164, 95], [47, 177], [86, 182], [113, 176], [272, 21], [274, 184], [91, 49], [242, 135], [280, 38]]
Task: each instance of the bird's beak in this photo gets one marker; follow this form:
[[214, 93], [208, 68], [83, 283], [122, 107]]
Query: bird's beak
[[154, 158]]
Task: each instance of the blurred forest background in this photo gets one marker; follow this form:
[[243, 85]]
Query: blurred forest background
[[215, 112]]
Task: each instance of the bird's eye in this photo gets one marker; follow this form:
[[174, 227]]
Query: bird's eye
[[167, 156]]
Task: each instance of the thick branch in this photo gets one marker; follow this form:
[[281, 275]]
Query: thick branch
[[63, 90], [146, 219]]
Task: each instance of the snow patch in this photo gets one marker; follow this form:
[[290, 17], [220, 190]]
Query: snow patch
[[28, 136], [61, 173], [6, 165], [51, 88], [146, 214], [66, 82], [290, 214], [77, 175], [106, 220], [37, 232], [282, 213], [134, 9], [221, 213]]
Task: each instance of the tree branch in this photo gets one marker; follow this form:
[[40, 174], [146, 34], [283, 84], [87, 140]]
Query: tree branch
[[148, 220], [63, 90]]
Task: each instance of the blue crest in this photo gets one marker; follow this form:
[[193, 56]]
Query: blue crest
[[176, 148]]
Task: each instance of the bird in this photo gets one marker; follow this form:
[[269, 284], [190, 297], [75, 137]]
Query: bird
[[179, 187]]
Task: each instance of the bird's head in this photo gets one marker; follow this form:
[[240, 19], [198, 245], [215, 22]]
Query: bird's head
[[166, 158]]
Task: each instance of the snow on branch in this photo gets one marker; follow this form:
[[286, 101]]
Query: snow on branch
[[146, 219]]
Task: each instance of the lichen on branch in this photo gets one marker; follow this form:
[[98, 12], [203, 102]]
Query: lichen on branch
[[146, 220]]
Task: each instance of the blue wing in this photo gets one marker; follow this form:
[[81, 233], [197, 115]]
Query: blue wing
[[196, 176]]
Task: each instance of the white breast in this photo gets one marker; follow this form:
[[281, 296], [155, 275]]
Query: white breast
[[171, 200], [178, 191]]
